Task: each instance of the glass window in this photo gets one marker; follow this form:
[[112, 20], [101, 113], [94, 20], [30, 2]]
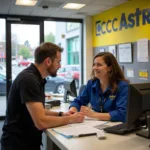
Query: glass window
[[2, 67], [70, 43]]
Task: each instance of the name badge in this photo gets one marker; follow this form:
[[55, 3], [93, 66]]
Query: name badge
[[112, 97]]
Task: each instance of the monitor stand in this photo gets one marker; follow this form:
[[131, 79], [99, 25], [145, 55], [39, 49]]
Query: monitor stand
[[66, 97], [146, 133]]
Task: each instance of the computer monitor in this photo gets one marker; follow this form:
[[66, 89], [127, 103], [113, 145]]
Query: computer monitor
[[138, 113], [70, 89]]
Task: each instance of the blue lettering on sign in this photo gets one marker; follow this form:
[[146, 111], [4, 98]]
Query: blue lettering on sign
[[98, 28], [137, 14], [108, 22], [113, 26], [146, 16], [103, 24], [127, 21], [123, 22], [131, 23]]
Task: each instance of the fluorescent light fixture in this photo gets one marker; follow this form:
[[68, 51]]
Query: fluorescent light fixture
[[73, 6], [26, 2]]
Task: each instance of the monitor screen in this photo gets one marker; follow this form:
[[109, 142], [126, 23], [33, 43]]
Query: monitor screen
[[139, 106], [70, 89]]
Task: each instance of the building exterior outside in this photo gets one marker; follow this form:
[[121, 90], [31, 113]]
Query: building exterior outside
[[68, 37]]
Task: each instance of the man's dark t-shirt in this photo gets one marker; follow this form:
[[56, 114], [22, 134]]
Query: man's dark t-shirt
[[19, 130]]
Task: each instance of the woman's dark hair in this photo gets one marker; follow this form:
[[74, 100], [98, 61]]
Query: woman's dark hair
[[116, 74], [45, 50]]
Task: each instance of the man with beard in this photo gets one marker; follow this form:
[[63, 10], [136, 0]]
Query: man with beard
[[26, 116]]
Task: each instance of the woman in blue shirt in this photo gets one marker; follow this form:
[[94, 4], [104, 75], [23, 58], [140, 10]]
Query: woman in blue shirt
[[106, 92]]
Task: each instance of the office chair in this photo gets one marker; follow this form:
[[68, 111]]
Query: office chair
[[81, 89]]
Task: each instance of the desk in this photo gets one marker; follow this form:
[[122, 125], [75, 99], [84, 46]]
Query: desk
[[112, 142]]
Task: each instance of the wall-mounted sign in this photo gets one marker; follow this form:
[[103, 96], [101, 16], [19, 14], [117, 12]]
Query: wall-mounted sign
[[63, 36], [125, 21], [121, 24], [112, 49], [102, 50], [142, 50], [130, 72], [125, 53], [143, 74]]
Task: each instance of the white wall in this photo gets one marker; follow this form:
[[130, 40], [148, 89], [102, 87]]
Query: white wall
[[88, 50]]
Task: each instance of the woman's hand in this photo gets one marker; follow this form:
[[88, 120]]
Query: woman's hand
[[72, 110], [87, 111]]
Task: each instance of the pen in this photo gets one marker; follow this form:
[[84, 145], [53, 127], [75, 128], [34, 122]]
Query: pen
[[88, 134]]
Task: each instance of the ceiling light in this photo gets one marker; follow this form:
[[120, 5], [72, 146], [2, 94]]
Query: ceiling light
[[26, 2], [73, 6]]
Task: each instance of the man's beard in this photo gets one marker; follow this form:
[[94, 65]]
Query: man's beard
[[51, 71]]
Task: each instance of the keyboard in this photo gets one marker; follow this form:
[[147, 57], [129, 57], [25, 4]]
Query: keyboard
[[120, 129], [53, 102]]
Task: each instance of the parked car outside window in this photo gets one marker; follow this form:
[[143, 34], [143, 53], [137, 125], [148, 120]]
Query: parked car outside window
[[14, 62], [24, 63], [70, 71], [3, 82], [55, 84]]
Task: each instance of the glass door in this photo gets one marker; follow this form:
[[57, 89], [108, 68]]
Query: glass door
[[22, 39]]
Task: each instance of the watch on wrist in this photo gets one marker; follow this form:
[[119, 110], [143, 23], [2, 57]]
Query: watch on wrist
[[60, 113]]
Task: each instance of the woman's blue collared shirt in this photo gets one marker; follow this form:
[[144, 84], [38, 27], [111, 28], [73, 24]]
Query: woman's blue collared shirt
[[114, 104]]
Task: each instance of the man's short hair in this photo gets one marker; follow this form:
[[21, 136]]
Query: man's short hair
[[45, 50]]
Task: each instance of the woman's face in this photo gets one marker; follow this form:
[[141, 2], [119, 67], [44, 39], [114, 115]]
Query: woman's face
[[100, 68]]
